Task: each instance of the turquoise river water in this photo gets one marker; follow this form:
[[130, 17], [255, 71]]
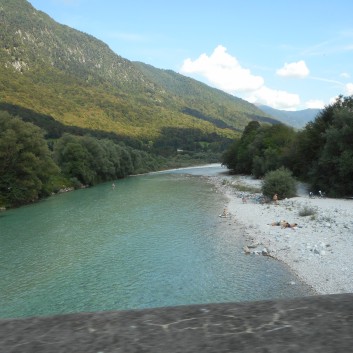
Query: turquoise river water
[[155, 240]]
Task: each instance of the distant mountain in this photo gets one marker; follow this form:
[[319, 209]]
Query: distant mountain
[[297, 119]]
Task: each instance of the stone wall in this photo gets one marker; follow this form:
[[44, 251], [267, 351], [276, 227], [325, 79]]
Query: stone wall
[[310, 324]]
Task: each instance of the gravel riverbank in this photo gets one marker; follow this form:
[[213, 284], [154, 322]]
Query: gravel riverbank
[[319, 250]]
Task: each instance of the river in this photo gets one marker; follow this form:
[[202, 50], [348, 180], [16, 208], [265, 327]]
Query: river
[[155, 240]]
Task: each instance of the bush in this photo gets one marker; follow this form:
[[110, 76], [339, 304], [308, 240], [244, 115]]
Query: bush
[[307, 211], [279, 182]]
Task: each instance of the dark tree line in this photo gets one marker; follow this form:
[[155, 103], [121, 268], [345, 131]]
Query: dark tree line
[[188, 139], [55, 129], [321, 153], [30, 170], [90, 161]]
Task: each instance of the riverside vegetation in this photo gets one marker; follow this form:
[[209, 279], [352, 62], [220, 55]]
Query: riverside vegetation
[[320, 154], [73, 113], [33, 166]]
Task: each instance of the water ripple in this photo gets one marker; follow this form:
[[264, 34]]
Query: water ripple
[[156, 240]]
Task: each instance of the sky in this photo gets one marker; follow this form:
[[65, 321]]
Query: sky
[[290, 55]]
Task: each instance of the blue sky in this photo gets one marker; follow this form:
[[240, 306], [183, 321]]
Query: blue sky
[[287, 54]]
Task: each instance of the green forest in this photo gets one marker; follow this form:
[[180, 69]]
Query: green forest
[[38, 161], [321, 154]]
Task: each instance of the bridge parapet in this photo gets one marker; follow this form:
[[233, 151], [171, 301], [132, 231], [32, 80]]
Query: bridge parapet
[[311, 324]]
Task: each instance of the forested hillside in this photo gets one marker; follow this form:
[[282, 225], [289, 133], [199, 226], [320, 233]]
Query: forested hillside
[[77, 80], [101, 116], [203, 102]]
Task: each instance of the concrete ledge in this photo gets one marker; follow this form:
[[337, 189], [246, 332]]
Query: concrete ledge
[[311, 324]]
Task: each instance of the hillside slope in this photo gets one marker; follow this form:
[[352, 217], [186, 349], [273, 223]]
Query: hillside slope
[[203, 101], [54, 70]]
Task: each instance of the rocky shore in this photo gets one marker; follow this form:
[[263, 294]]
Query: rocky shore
[[319, 250]]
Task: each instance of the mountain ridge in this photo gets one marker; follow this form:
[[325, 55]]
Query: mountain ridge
[[78, 80], [177, 83], [297, 119]]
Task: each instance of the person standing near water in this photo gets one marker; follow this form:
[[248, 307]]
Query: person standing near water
[[224, 213], [275, 199], [113, 186]]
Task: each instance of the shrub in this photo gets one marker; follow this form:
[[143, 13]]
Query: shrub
[[307, 211], [280, 182]]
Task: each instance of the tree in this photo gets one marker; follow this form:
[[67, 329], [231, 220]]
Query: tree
[[26, 165], [334, 169], [324, 150], [91, 161], [247, 149], [279, 182], [229, 157], [74, 159], [260, 149], [240, 154], [97, 160]]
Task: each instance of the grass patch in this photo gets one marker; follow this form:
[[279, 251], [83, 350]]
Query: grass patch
[[246, 188]]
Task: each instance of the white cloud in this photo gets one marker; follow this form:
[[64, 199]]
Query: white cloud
[[323, 79], [333, 100], [297, 69], [315, 104], [223, 71], [349, 88], [345, 75], [274, 98]]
